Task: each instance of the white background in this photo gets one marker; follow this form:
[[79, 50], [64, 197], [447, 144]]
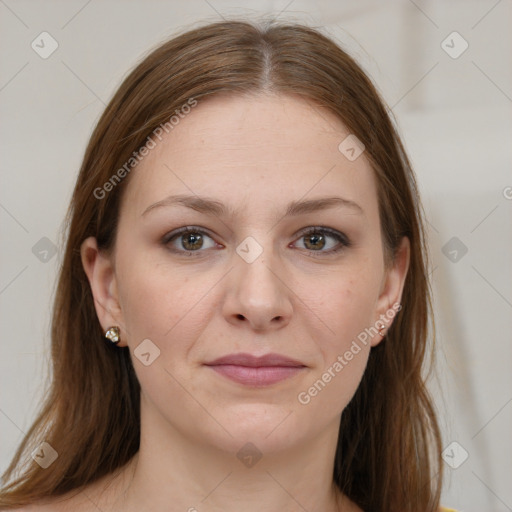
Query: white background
[[454, 115]]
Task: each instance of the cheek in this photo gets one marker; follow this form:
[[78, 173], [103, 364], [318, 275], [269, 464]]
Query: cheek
[[166, 306], [331, 388], [347, 308], [345, 303], [171, 310]]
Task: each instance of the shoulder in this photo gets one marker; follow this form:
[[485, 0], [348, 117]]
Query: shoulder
[[85, 499], [57, 504], [98, 495]]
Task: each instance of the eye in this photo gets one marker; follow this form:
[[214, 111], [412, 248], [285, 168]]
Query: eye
[[189, 239], [323, 240]]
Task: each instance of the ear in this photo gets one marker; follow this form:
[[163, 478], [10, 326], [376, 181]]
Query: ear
[[100, 272], [388, 303]]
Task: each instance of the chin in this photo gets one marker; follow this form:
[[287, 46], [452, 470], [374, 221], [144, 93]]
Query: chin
[[271, 428]]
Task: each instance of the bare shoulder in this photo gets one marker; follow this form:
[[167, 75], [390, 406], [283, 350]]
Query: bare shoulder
[[90, 498], [75, 502], [98, 495]]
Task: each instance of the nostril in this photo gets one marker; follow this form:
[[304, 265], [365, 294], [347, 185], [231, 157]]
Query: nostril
[[240, 316]]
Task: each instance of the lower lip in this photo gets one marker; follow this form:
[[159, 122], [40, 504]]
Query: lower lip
[[260, 376]]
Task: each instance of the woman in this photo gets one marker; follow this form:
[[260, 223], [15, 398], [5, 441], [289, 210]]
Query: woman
[[243, 307]]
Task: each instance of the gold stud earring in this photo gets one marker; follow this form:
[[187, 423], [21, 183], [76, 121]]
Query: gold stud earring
[[113, 334]]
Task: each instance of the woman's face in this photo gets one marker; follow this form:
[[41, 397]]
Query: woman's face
[[251, 177]]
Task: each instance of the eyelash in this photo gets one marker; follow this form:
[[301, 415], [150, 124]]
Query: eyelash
[[341, 238]]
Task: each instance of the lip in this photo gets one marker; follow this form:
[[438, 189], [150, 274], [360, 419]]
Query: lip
[[256, 371], [243, 359]]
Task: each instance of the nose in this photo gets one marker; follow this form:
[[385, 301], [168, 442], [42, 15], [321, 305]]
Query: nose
[[258, 296]]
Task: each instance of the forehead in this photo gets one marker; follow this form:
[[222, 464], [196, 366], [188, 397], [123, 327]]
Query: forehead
[[259, 150]]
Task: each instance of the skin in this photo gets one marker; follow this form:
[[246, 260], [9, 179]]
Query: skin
[[254, 154]]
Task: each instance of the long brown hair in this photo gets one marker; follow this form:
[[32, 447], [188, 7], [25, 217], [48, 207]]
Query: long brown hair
[[388, 452]]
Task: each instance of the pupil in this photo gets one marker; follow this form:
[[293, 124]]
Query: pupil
[[192, 241], [315, 239]]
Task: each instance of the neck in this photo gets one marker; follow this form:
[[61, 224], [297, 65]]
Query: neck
[[172, 472]]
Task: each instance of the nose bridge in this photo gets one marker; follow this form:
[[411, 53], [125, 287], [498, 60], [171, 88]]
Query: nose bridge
[[256, 270], [258, 294]]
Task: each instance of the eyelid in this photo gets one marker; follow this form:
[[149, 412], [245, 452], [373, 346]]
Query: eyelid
[[341, 237], [183, 230]]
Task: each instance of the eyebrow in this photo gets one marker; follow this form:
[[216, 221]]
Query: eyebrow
[[214, 207]]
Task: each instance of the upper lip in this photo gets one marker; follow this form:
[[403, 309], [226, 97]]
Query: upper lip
[[243, 359]]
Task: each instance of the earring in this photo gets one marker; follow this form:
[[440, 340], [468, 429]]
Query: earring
[[113, 334], [382, 331]]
